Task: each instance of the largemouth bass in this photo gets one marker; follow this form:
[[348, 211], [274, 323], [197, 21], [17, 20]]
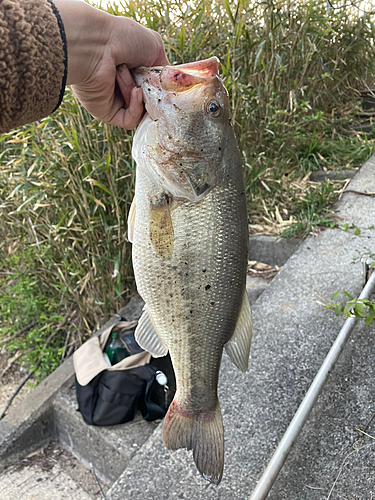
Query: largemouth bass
[[188, 226]]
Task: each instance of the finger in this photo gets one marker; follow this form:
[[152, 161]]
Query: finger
[[125, 82], [161, 58], [129, 118], [143, 47]]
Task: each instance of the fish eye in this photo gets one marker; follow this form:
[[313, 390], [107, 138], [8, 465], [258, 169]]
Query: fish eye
[[214, 109]]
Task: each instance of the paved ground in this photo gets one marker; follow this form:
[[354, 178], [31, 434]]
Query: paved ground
[[51, 473], [32, 483]]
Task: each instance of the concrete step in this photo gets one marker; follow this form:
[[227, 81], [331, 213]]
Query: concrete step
[[107, 449], [271, 249], [292, 335], [333, 175]]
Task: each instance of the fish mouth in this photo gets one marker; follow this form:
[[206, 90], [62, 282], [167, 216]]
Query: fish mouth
[[150, 76], [177, 78]]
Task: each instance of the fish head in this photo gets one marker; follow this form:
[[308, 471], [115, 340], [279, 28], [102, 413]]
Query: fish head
[[180, 142]]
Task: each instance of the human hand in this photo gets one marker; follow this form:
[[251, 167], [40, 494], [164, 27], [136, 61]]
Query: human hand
[[101, 50]]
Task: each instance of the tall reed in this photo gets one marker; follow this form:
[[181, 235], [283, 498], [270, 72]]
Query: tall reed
[[67, 185]]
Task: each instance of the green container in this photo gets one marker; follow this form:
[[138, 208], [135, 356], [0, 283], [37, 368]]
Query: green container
[[115, 349]]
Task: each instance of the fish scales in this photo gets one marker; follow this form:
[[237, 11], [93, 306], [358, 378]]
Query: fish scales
[[188, 227], [190, 293]]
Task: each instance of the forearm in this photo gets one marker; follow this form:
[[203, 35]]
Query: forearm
[[32, 62]]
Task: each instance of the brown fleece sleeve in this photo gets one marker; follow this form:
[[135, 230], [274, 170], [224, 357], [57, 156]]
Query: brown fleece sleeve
[[33, 61]]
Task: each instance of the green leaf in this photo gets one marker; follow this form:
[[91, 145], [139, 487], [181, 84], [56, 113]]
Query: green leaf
[[336, 294], [338, 309], [371, 315], [345, 227], [108, 161], [239, 30], [360, 309], [259, 53], [94, 182], [348, 307], [27, 202], [75, 139], [348, 295], [366, 302], [228, 11], [357, 231]]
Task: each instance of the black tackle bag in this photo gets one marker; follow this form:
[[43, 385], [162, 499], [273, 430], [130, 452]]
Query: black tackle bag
[[110, 395]]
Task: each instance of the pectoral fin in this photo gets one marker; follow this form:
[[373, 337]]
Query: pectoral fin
[[147, 336], [131, 221], [238, 347], [161, 230]]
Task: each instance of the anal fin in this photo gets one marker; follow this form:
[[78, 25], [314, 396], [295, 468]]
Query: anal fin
[[238, 347], [147, 336]]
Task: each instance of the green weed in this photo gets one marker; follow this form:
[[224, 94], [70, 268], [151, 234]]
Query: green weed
[[360, 308], [32, 320]]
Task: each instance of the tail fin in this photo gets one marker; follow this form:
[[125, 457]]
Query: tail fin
[[201, 432]]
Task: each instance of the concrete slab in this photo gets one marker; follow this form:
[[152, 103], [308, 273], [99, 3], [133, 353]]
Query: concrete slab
[[360, 209], [321, 175], [324, 460], [364, 180], [33, 483], [255, 287], [271, 249], [108, 449], [292, 335]]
